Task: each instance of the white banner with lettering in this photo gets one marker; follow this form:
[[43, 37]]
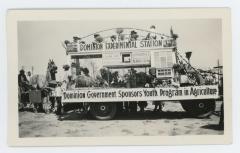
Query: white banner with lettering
[[140, 94]]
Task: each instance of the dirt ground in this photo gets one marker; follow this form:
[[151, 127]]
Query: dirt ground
[[172, 121]]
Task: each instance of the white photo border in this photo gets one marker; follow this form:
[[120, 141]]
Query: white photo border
[[13, 16]]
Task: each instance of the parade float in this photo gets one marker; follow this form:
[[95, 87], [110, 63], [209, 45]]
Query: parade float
[[136, 66]]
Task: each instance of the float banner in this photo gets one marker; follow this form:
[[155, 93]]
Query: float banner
[[124, 45], [140, 94]]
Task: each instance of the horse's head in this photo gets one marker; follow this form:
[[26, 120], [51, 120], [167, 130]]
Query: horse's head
[[51, 71], [52, 67]]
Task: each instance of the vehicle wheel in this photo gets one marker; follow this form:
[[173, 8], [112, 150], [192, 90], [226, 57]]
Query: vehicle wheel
[[199, 108], [103, 111]]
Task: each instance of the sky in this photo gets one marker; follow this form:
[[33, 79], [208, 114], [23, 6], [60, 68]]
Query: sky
[[39, 41]]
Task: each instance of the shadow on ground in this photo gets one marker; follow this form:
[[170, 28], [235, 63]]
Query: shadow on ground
[[213, 127], [132, 116]]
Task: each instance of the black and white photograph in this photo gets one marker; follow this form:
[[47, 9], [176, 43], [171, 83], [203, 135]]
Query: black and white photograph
[[105, 78]]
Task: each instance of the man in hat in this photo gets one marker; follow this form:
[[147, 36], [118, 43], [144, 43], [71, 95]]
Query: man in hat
[[67, 77], [58, 97], [22, 80], [23, 87]]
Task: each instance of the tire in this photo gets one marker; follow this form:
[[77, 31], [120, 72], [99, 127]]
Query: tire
[[199, 108], [103, 110]]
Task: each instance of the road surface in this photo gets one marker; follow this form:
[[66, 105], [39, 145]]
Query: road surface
[[172, 121]]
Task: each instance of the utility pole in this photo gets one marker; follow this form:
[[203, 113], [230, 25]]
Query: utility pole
[[218, 67]]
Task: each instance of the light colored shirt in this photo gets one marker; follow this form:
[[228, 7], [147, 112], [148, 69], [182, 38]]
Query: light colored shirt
[[66, 75], [58, 91], [28, 78], [64, 86]]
